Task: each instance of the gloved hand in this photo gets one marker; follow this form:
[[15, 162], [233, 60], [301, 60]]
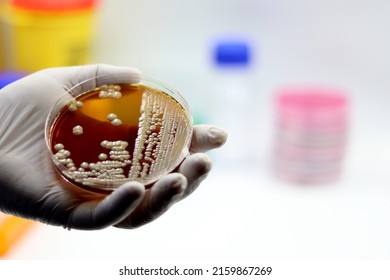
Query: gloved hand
[[30, 186]]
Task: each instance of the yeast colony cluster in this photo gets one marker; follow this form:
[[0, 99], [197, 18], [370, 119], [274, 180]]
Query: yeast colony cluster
[[117, 133]]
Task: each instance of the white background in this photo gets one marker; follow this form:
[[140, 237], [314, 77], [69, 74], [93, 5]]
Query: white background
[[241, 212]]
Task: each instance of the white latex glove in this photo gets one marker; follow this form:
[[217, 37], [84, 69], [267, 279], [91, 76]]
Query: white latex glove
[[30, 186]]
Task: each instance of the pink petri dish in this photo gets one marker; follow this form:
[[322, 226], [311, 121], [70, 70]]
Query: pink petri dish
[[312, 105]]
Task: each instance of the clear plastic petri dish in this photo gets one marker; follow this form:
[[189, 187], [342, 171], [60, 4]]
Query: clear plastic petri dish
[[103, 135]]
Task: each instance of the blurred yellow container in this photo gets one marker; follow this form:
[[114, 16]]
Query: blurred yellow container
[[44, 33], [2, 62], [11, 230], [2, 54]]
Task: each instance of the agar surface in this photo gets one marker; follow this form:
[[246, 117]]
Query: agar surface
[[147, 140]]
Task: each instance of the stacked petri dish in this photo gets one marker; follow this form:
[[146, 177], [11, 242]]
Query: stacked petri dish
[[311, 134]]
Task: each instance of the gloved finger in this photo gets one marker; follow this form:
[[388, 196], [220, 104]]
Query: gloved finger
[[92, 76], [110, 210], [207, 137], [195, 168], [43, 88], [83, 78], [78, 79], [157, 201], [116, 74]]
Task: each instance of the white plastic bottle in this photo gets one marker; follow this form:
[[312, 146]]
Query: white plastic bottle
[[233, 105]]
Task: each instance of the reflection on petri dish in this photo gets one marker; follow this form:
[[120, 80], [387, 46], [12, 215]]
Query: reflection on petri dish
[[105, 136]]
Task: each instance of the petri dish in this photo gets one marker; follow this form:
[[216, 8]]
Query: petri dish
[[103, 135]]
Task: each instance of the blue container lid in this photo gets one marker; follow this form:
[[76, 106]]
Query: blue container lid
[[7, 77], [232, 53]]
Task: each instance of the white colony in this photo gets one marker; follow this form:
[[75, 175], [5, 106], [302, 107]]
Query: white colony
[[116, 122], [78, 130], [110, 91], [58, 147], [84, 165], [112, 117], [73, 105], [103, 156], [79, 104]]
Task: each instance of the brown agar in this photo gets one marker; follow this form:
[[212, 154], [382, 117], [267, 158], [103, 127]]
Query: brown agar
[[120, 132]]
